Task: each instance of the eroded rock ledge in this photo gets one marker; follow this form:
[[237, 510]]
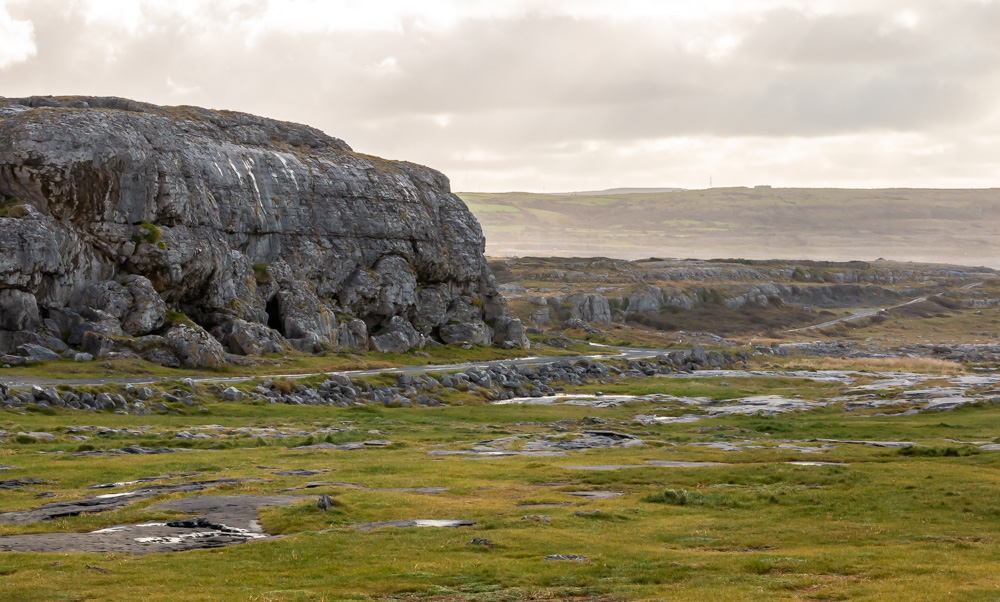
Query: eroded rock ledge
[[181, 234]]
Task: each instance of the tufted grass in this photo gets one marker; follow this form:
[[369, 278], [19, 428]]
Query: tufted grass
[[891, 525]]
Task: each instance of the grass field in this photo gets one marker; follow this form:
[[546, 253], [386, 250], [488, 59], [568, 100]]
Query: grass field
[[891, 524]]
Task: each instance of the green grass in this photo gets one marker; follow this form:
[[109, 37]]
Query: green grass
[[893, 524], [13, 208], [153, 233]]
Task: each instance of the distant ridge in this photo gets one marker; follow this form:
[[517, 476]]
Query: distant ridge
[[624, 191], [823, 224]]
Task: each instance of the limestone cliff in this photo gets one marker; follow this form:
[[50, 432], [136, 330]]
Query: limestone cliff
[[115, 213]]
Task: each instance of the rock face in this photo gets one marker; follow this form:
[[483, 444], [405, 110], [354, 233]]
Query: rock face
[[268, 234]]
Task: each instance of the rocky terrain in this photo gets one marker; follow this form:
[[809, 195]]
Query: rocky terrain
[[493, 381], [726, 296], [187, 236]]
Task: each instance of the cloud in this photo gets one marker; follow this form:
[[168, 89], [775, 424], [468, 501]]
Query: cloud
[[17, 40], [532, 94]]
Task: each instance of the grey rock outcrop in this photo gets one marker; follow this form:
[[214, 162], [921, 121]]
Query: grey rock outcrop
[[589, 308], [131, 209], [248, 338], [194, 347], [510, 333], [474, 332], [398, 337]]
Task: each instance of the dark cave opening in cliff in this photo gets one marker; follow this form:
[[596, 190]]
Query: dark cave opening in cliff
[[273, 310]]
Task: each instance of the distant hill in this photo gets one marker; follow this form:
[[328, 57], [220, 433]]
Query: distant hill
[[954, 226], [623, 191]]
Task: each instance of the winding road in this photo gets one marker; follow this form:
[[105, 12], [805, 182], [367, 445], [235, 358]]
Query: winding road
[[858, 314]]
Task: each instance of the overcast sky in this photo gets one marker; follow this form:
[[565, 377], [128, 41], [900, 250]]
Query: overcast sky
[[562, 95]]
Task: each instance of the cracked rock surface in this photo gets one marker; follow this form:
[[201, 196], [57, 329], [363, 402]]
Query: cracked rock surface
[[265, 234]]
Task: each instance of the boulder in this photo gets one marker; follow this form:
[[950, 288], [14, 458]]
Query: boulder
[[248, 338], [352, 335], [299, 313], [475, 332], [96, 344], [146, 309], [398, 337], [38, 353], [509, 332], [592, 308], [232, 394], [108, 297], [194, 347], [18, 310]]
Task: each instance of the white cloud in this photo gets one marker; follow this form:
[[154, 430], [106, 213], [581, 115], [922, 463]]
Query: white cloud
[[17, 39]]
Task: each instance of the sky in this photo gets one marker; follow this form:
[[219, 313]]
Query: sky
[[559, 95]]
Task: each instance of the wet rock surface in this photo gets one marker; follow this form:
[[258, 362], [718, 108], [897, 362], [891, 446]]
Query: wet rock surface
[[434, 523], [314, 484], [570, 557], [105, 502], [221, 520]]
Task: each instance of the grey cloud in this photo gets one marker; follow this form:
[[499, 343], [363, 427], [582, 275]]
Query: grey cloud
[[531, 90]]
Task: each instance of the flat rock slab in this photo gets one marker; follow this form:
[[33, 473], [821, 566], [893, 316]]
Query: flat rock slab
[[172, 475], [648, 464], [414, 523], [594, 495], [653, 419], [224, 520], [602, 466], [590, 401], [870, 443], [348, 446], [314, 484], [18, 483], [675, 464], [135, 450], [807, 463], [7, 467], [304, 472], [570, 557], [106, 502], [500, 453], [585, 440]]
